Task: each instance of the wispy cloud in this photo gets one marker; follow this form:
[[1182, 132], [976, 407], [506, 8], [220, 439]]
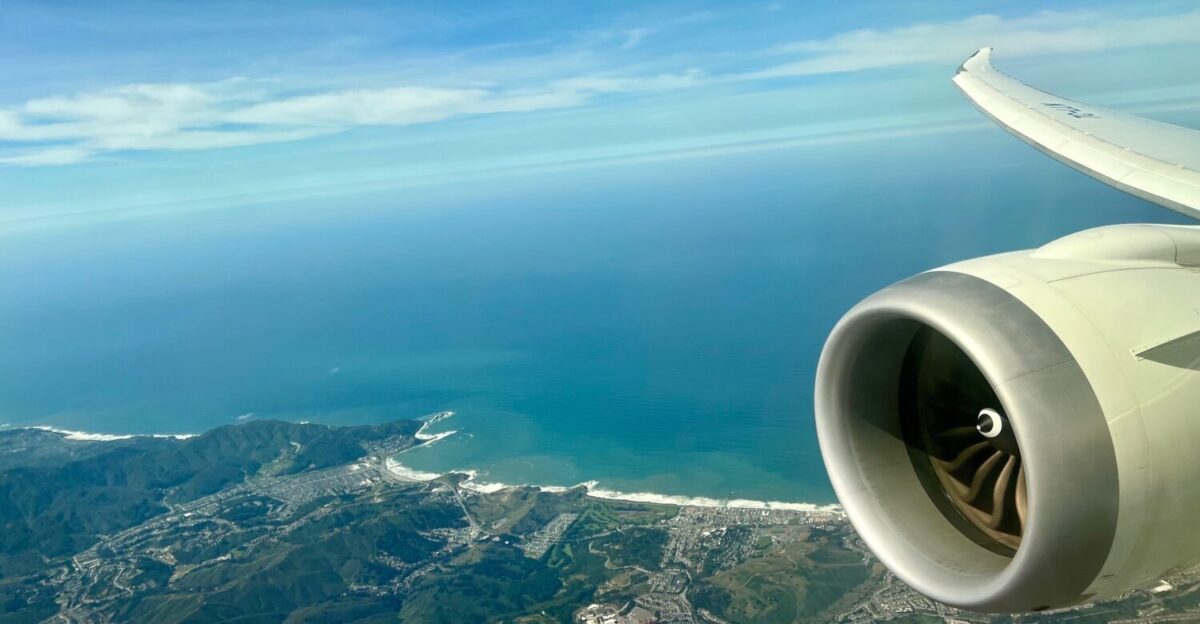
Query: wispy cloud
[[49, 156], [621, 84], [1034, 35], [867, 131], [68, 129], [633, 37], [65, 130]]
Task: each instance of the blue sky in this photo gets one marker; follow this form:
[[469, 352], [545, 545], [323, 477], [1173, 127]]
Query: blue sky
[[170, 106]]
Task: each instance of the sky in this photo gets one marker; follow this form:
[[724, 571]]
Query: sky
[[578, 220], [164, 107]]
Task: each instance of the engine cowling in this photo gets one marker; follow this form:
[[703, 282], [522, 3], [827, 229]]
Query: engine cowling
[[1020, 432]]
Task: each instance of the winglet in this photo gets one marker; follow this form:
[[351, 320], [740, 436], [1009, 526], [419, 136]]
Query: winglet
[[1149, 159], [980, 61]]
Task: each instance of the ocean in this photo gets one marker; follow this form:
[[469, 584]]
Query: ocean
[[652, 326]]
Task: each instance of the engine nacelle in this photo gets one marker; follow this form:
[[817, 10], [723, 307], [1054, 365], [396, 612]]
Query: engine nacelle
[[1022, 431]]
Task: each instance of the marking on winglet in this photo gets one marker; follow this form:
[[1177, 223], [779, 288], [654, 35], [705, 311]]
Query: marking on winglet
[[1071, 111]]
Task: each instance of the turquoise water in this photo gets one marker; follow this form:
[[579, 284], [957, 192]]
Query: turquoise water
[[654, 327]]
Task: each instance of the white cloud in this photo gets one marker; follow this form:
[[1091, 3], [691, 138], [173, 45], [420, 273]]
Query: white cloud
[[624, 39], [49, 156], [362, 107], [63, 130], [66, 130], [617, 84], [1034, 35]]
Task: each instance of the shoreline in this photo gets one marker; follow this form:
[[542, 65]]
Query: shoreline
[[473, 483], [85, 436]]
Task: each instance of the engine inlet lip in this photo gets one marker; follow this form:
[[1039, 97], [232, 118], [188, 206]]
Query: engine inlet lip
[[1068, 533]]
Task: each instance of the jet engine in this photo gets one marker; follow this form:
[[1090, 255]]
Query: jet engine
[[1020, 432]]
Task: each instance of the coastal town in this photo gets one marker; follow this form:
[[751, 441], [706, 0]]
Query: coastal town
[[632, 562]]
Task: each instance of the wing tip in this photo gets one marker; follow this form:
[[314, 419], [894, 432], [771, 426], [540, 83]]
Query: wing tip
[[981, 60]]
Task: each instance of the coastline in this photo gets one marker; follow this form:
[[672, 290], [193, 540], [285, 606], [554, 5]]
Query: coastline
[[473, 483], [84, 436], [473, 479]]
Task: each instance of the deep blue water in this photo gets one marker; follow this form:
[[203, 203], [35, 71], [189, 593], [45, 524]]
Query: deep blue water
[[653, 326]]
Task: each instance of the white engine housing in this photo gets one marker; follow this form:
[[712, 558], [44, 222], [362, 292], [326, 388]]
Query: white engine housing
[[1092, 342]]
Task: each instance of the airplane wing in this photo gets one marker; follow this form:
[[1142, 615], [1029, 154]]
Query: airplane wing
[[1155, 161]]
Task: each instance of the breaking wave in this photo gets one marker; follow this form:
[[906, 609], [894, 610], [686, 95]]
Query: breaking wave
[[473, 483], [84, 436]]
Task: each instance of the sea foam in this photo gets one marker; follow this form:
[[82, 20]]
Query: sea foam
[[473, 483], [408, 474], [595, 491], [84, 436]]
